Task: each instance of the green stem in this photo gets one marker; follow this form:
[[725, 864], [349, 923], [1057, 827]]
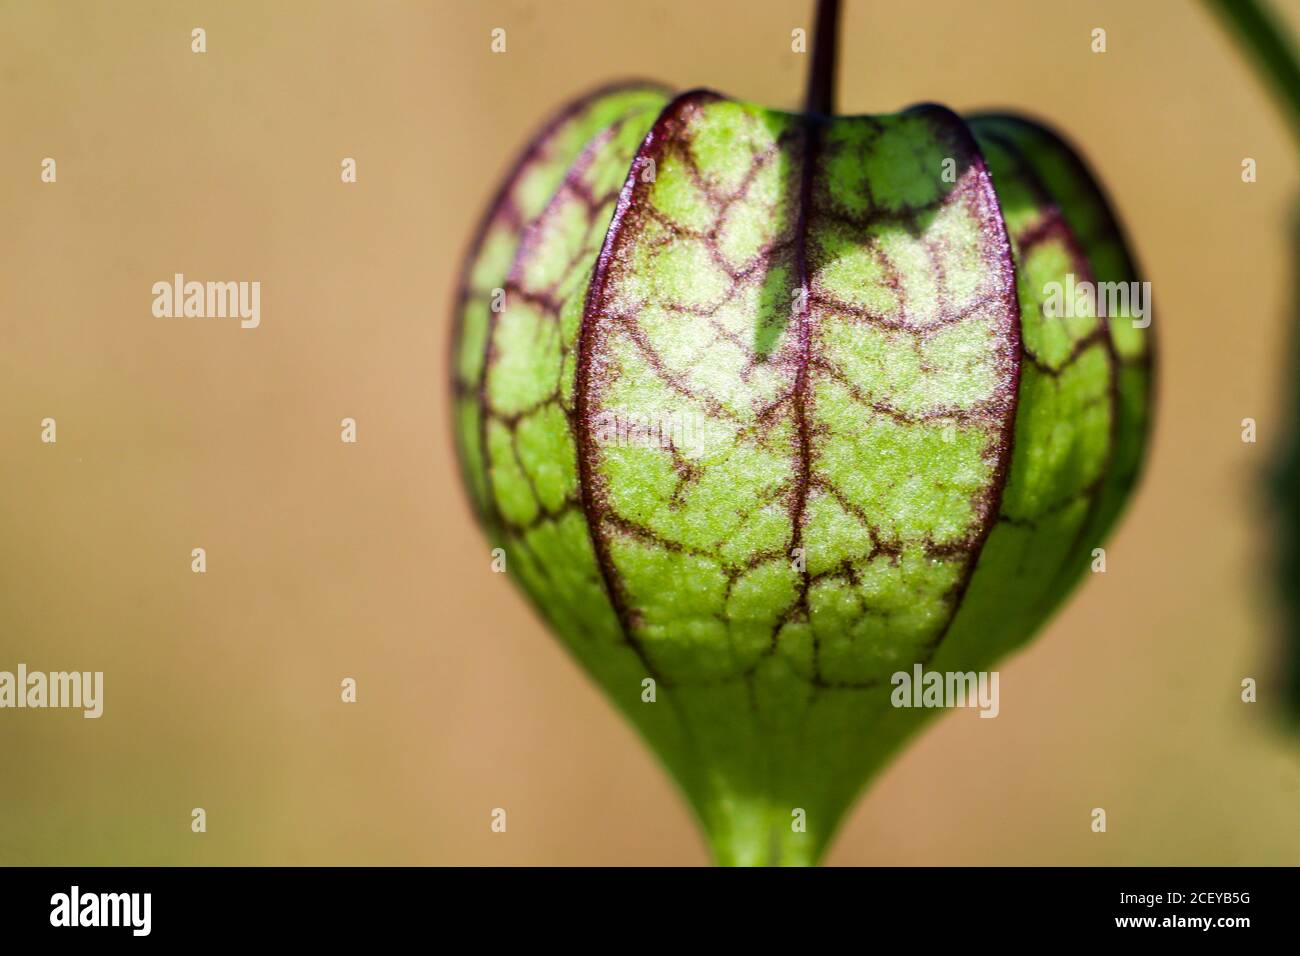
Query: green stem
[[754, 831], [1271, 51], [1275, 58]]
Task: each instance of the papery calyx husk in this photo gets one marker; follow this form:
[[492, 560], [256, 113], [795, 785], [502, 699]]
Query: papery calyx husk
[[770, 411]]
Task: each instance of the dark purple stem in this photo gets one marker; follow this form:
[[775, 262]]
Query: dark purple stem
[[821, 75]]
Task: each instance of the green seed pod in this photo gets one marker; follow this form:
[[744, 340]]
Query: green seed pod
[[766, 409]]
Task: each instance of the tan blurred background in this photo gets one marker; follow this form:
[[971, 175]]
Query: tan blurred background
[[328, 560]]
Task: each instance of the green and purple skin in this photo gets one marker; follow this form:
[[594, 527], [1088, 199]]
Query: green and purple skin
[[897, 458]]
